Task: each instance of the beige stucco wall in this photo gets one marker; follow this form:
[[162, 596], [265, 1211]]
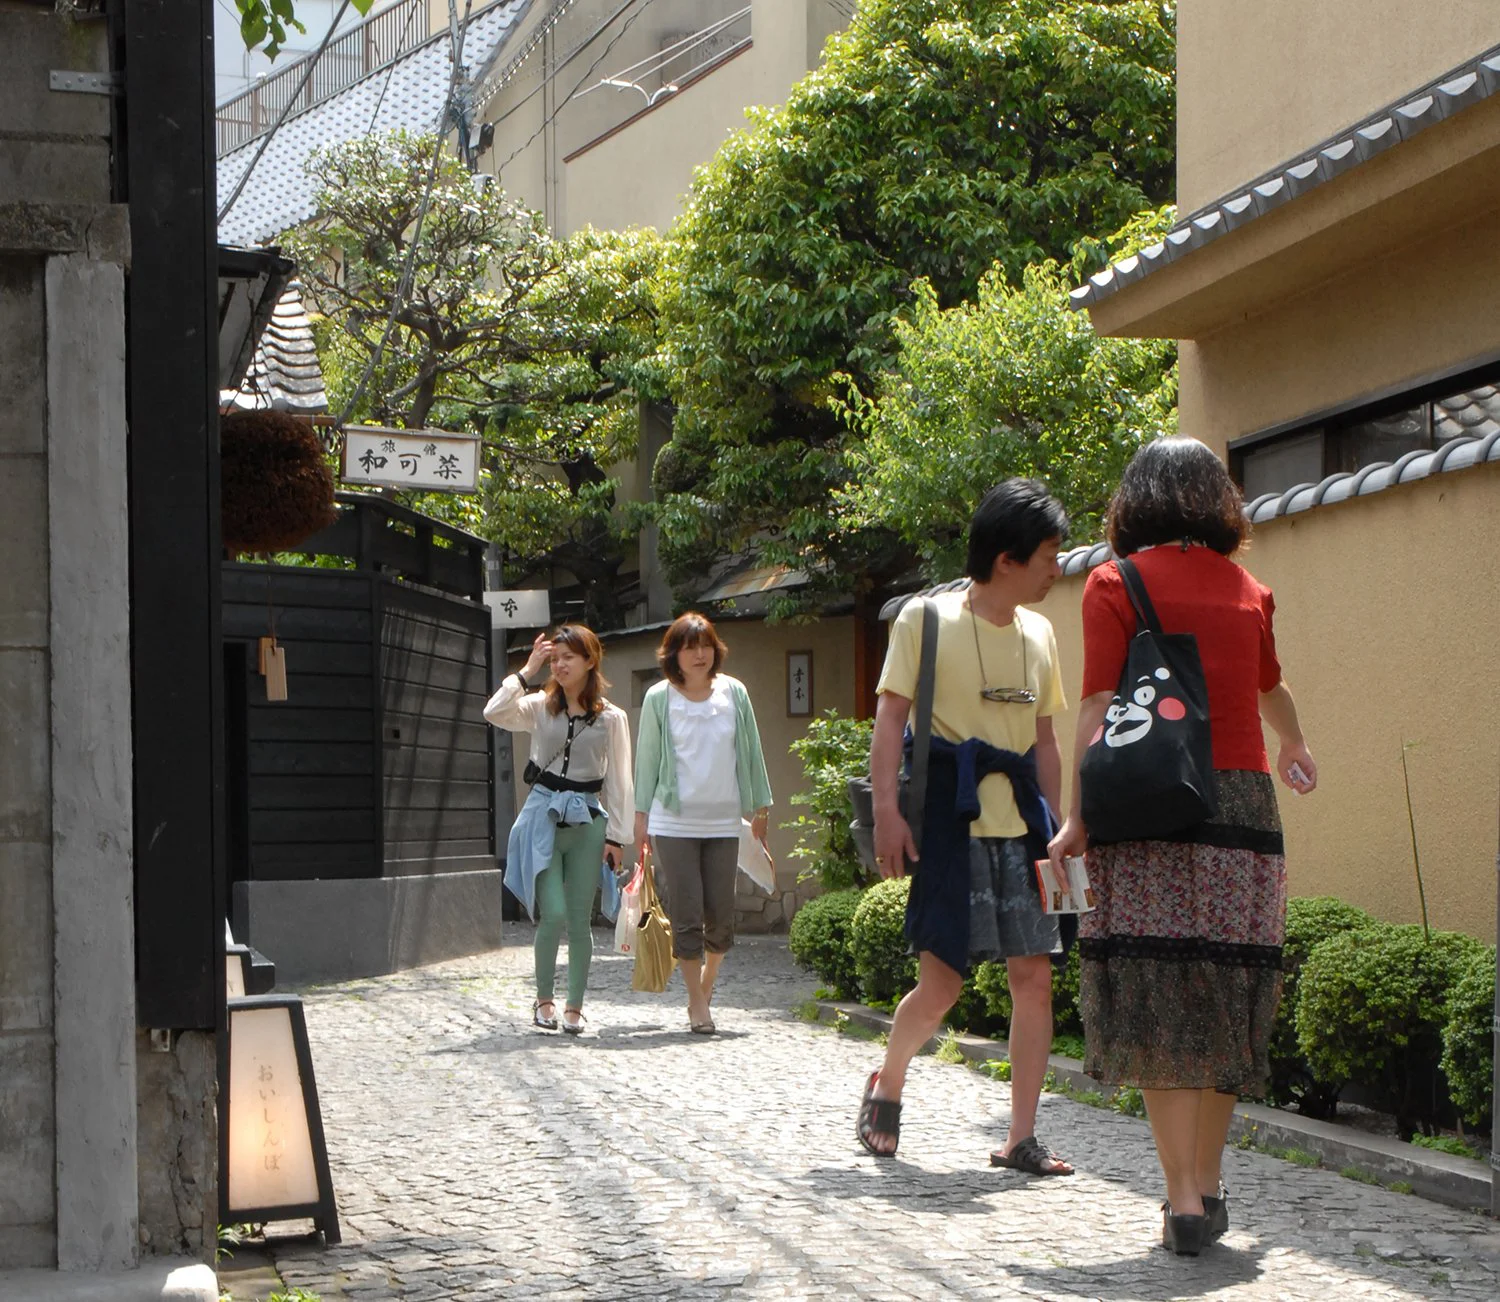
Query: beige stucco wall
[[757, 657], [1257, 83], [640, 175], [1388, 625]]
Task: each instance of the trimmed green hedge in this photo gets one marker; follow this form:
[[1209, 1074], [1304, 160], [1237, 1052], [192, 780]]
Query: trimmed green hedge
[[1309, 922], [819, 940], [1371, 1010], [877, 941], [1365, 1003], [1468, 1040]]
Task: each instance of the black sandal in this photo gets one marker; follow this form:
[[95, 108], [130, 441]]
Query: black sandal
[[878, 1117], [1031, 1156], [546, 1023], [573, 1028]]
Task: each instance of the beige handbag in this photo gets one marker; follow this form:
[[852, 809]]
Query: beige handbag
[[653, 938]]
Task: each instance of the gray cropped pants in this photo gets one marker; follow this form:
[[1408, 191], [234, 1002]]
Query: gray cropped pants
[[695, 876]]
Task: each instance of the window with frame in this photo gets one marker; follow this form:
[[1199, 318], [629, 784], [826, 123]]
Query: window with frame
[[1363, 436]]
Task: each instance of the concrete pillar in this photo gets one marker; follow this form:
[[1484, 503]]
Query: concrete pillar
[[94, 973]]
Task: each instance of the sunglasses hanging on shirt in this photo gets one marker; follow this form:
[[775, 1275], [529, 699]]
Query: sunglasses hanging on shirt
[[1001, 695]]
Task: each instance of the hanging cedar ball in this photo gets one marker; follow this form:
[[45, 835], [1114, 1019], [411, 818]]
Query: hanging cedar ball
[[276, 484]]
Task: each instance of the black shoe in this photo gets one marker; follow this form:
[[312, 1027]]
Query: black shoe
[[1216, 1212], [1184, 1235]]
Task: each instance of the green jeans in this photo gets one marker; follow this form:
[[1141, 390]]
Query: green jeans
[[565, 894]]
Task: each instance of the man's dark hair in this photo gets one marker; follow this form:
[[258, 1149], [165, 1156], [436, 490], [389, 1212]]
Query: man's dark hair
[[1176, 489], [1014, 519]]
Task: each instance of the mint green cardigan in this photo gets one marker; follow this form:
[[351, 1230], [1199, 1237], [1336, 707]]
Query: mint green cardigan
[[656, 761]]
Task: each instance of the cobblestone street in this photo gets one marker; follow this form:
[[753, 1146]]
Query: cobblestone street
[[475, 1157]]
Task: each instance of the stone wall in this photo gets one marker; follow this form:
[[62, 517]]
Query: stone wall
[[178, 1143]]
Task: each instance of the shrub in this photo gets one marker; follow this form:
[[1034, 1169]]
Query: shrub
[[833, 750], [993, 985], [877, 940], [1371, 1010], [1309, 922], [970, 1012], [1468, 1040], [819, 940]]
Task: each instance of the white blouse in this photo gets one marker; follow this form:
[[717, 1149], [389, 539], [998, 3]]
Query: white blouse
[[595, 750], [708, 789]]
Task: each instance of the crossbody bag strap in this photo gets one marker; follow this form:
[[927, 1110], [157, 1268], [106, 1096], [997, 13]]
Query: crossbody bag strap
[[1135, 589], [588, 723], [922, 731]]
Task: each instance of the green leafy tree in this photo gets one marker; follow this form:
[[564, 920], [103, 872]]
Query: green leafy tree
[[264, 23], [543, 347], [1014, 383], [938, 139]]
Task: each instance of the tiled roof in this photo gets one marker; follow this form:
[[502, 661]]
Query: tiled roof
[[1458, 454], [284, 373], [1455, 90], [410, 96]]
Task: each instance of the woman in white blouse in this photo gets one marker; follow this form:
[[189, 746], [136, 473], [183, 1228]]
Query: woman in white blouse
[[578, 813], [699, 770]]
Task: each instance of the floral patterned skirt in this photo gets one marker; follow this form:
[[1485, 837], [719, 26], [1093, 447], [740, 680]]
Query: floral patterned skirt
[[1181, 959]]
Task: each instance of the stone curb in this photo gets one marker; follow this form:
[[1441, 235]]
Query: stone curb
[[1439, 1177], [159, 1280]]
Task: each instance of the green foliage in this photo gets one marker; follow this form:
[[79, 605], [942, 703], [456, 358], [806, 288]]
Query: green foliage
[[970, 1011], [543, 347], [1129, 1102], [819, 940], [1372, 1008], [1468, 1040], [1450, 1144], [263, 23], [938, 139], [1309, 922], [1069, 1046], [878, 941], [948, 1049], [832, 750], [1012, 383], [993, 986]]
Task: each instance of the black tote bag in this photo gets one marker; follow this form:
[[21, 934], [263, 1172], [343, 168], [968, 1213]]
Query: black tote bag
[[1149, 771], [913, 790]]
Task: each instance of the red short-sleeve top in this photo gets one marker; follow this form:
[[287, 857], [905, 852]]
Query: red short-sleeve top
[[1197, 591]]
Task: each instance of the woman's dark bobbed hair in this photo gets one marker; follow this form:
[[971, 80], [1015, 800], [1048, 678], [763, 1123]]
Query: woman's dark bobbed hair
[[1176, 489]]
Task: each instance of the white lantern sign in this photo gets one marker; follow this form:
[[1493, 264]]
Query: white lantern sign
[[427, 460]]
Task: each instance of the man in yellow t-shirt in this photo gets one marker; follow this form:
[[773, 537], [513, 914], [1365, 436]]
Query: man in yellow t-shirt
[[996, 688]]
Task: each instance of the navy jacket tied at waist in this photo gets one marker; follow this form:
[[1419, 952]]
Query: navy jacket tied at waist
[[937, 915]]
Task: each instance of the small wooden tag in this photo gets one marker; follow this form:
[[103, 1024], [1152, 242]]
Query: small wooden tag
[[274, 657]]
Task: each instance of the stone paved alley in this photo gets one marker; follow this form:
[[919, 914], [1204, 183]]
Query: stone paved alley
[[475, 1157]]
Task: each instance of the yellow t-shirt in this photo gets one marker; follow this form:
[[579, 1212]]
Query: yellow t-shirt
[[958, 710]]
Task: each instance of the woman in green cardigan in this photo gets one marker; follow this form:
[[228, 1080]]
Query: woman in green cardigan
[[699, 769]]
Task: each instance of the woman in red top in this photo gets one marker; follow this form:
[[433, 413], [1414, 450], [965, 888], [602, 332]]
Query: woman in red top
[[1182, 956]]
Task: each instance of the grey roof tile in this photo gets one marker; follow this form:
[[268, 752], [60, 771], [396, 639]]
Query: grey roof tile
[[284, 373], [1451, 93], [280, 193]]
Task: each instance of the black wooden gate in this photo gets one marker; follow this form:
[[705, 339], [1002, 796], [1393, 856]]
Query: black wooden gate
[[378, 764]]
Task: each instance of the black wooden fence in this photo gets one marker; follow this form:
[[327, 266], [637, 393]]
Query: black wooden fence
[[378, 763]]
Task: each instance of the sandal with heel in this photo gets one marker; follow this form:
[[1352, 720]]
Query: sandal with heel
[[545, 1023]]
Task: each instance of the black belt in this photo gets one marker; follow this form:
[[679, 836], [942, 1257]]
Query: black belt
[[552, 782]]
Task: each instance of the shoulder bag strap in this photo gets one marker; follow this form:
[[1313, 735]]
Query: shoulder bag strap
[[1135, 589], [922, 731]]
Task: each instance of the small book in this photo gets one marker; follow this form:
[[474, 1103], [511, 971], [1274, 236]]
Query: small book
[[1068, 891]]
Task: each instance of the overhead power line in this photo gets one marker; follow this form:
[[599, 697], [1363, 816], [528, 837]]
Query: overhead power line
[[408, 270], [578, 85]]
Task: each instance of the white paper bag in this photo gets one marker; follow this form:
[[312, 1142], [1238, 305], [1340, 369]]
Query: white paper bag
[[755, 860]]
